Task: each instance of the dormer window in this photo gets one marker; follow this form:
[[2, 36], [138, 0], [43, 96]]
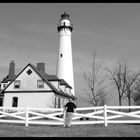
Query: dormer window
[[17, 84], [40, 84], [4, 85]]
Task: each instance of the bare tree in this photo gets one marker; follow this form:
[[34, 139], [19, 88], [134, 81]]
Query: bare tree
[[131, 80], [124, 80], [116, 76], [95, 89], [136, 95]]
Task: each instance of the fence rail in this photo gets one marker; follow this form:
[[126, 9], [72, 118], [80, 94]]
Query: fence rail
[[84, 115]]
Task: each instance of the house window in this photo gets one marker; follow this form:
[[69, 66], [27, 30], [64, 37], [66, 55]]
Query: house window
[[17, 84], [57, 102], [15, 102], [4, 85], [1, 101], [61, 55], [40, 84], [29, 72]]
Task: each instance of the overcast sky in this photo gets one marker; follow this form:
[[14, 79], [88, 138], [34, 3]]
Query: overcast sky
[[28, 34]]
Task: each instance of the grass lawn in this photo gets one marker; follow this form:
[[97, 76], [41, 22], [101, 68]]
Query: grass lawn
[[112, 130]]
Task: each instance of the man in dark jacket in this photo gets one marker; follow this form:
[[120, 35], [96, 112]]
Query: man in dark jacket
[[69, 109]]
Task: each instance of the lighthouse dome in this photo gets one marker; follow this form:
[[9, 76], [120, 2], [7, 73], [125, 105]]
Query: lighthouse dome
[[65, 16]]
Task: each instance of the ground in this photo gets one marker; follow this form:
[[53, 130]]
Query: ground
[[112, 130]]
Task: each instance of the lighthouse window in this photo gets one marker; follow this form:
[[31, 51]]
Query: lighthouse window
[[61, 55]]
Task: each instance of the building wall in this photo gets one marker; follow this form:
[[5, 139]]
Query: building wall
[[55, 84], [29, 94], [63, 88], [28, 82], [65, 62], [30, 99], [68, 90]]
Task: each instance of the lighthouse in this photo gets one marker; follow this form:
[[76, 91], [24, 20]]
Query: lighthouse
[[65, 61]]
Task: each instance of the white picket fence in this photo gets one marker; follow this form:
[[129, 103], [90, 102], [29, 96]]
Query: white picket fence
[[54, 116]]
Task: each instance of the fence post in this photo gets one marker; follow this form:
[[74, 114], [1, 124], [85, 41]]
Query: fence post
[[105, 115], [26, 116]]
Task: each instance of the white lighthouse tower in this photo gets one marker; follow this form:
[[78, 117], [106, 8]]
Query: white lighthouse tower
[[65, 62]]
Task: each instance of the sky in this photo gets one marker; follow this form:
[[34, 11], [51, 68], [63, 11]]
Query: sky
[[28, 34]]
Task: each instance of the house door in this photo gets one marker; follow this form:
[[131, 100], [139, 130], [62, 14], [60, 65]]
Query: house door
[[15, 102]]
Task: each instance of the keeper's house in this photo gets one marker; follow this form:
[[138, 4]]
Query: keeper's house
[[32, 87]]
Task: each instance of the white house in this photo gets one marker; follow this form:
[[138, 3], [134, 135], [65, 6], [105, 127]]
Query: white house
[[32, 87]]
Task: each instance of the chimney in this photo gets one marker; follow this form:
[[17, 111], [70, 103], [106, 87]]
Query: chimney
[[41, 67], [11, 70]]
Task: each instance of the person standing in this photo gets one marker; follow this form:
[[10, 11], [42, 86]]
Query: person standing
[[69, 108]]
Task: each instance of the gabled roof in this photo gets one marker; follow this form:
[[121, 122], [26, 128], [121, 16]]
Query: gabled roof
[[46, 78]]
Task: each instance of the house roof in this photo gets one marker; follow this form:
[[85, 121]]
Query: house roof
[[47, 78], [1, 95], [71, 96], [63, 82], [55, 78], [6, 79], [51, 77]]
